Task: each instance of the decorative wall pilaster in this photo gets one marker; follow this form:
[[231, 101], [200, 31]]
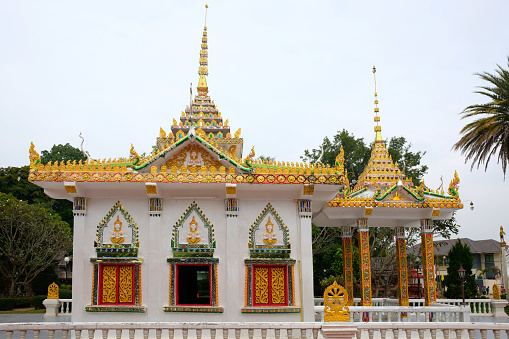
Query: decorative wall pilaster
[[81, 270], [306, 260], [233, 299], [402, 266], [346, 234], [365, 261], [428, 263]]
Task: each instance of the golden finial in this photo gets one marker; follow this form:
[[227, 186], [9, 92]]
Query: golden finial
[[378, 128], [203, 69]]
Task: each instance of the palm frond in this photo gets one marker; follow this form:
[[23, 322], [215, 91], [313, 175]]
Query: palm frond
[[488, 135]]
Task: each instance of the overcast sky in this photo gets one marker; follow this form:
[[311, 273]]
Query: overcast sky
[[288, 73]]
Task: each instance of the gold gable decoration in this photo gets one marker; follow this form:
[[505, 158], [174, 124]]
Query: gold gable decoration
[[340, 161], [335, 300], [192, 154], [34, 156]]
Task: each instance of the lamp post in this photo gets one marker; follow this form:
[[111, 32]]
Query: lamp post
[[386, 279], [66, 259], [461, 273]]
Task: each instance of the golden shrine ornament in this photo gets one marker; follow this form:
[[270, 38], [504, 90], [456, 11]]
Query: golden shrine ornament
[[53, 291], [336, 303]]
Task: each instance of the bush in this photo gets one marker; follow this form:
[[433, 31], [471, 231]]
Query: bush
[[7, 304], [22, 302], [65, 294], [503, 296], [37, 302]]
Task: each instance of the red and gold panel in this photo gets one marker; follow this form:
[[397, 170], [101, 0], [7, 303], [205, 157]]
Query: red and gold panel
[[261, 285], [116, 284], [348, 268], [402, 272], [365, 266], [428, 268], [270, 286]]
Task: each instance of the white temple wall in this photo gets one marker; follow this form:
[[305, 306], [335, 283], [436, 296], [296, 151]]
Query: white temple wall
[[155, 235]]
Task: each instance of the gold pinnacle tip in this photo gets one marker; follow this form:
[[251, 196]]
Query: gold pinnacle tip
[[374, 69], [206, 6]]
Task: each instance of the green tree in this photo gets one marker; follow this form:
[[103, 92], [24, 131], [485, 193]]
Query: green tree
[[356, 153], [14, 180], [488, 135], [62, 153], [31, 239], [460, 254]]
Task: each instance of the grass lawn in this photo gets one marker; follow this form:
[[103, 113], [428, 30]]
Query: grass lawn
[[23, 311]]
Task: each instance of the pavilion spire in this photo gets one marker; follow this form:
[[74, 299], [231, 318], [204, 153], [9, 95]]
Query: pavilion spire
[[203, 70], [378, 128]]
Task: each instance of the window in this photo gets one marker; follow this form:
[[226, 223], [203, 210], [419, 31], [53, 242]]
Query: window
[[193, 285], [488, 257], [270, 286], [116, 284], [446, 261]]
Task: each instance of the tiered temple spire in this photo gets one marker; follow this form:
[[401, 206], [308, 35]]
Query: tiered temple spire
[[381, 170], [203, 112]]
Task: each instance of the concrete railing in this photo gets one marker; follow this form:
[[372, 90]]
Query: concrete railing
[[431, 330], [290, 330], [65, 307], [284, 330], [478, 307], [404, 313]]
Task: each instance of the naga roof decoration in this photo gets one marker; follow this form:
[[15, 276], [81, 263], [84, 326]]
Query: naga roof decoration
[[382, 183], [200, 124]]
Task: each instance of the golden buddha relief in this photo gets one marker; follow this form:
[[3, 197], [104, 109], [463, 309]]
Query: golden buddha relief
[[192, 155], [117, 236], [193, 237], [269, 238]]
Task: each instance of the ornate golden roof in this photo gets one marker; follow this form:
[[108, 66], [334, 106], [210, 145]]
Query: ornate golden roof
[[382, 184], [220, 154]]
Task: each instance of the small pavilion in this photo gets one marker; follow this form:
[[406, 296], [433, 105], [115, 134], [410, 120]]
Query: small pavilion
[[384, 197]]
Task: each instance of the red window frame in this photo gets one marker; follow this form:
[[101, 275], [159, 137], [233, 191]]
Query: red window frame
[[270, 303], [117, 266], [177, 284]]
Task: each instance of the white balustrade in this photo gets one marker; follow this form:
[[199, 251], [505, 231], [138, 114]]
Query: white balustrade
[[198, 330], [263, 330], [439, 313], [478, 307], [65, 307]]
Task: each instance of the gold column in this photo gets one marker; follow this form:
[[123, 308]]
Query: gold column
[[402, 266], [428, 263], [347, 262], [365, 264]]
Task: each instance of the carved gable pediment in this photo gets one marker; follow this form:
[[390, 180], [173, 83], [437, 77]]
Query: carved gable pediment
[[269, 236], [117, 232], [398, 194], [193, 155], [193, 234]]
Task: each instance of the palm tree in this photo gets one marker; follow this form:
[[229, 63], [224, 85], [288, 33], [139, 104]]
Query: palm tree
[[489, 133]]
